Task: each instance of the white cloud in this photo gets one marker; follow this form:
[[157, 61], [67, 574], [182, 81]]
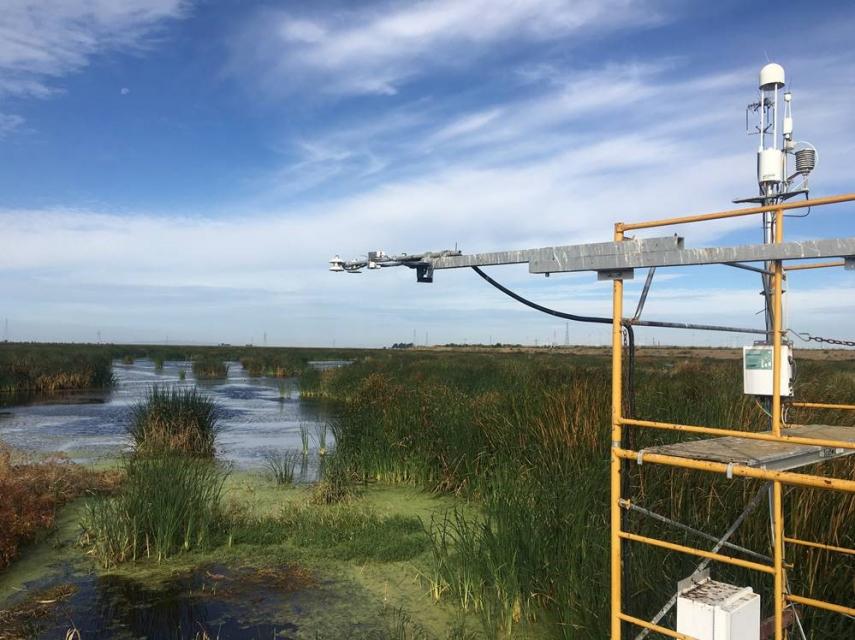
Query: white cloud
[[45, 39], [555, 162], [214, 279], [466, 125], [10, 122], [373, 50]]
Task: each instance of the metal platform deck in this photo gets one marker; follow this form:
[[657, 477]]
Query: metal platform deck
[[762, 454]]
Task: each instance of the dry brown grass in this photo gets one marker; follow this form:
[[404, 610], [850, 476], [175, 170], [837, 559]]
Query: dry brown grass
[[32, 492]]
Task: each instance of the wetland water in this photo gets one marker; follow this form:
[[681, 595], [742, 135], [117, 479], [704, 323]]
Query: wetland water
[[257, 415], [207, 603], [53, 590]]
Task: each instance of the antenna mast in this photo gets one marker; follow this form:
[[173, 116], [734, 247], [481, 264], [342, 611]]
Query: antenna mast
[[774, 150]]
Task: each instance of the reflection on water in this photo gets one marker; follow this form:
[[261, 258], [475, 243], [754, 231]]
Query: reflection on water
[[211, 602], [258, 414], [207, 603]]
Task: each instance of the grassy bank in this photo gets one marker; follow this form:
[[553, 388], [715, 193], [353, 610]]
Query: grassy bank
[[355, 562], [528, 439]]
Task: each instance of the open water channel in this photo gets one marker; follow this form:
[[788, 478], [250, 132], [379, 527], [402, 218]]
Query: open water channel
[[256, 415]]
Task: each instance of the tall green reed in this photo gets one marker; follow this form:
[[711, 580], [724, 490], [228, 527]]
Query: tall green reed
[[46, 368], [166, 505], [173, 420], [209, 367], [169, 501], [528, 440], [280, 465], [304, 438]]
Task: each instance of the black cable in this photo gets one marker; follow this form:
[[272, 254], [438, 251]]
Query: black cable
[[534, 305], [799, 215], [630, 333]]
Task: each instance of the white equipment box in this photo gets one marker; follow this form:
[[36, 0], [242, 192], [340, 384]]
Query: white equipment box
[[757, 370], [710, 610]]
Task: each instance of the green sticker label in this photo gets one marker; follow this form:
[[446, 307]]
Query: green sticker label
[[758, 359]]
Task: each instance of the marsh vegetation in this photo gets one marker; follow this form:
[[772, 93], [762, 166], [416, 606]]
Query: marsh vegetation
[[209, 368], [169, 500], [33, 490], [503, 459], [280, 465], [174, 421], [528, 441], [43, 368]]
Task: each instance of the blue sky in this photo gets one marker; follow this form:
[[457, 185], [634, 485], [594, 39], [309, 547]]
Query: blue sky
[[186, 169]]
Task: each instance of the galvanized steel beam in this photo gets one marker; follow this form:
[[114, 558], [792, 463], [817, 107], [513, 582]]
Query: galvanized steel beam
[[655, 252]]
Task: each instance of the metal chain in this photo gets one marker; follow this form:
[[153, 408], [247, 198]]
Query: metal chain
[[809, 338]]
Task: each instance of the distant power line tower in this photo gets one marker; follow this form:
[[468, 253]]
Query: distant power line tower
[[6, 330], [265, 339], [567, 334]]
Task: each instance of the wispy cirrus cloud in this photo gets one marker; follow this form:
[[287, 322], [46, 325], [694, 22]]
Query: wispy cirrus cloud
[[41, 40], [10, 122], [373, 50]]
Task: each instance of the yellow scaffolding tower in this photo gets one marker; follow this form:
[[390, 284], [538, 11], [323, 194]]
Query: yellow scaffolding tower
[[796, 445], [707, 455]]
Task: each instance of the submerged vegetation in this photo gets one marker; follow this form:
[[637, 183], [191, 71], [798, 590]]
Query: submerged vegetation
[[343, 531]]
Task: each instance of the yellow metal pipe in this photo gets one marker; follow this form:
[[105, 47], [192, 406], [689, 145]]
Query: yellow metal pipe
[[655, 627], [615, 471], [735, 213], [821, 604], [777, 490], [823, 405], [815, 265], [701, 553], [777, 305], [742, 471], [778, 557], [819, 545], [748, 435]]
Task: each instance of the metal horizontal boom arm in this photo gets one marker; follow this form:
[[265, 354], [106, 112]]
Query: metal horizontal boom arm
[[607, 257]]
